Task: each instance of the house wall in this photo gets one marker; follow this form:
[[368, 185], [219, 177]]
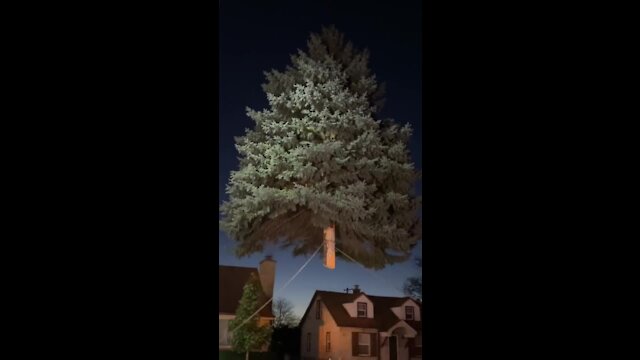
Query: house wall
[[403, 352], [340, 337], [352, 308], [316, 327], [418, 344], [224, 326], [344, 351], [399, 311]]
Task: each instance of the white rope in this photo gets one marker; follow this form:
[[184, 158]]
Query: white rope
[[282, 288], [372, 272]]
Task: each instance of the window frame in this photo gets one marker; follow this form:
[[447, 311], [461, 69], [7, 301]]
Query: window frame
[[406, 313], [367, 336], [318, 309], [308, 342], [327, 342], [366, 306], [224, 324]]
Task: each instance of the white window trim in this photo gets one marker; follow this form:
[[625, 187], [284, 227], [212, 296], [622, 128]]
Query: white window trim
[[368, 343], [413, 312], [366, 309], [401, 323]]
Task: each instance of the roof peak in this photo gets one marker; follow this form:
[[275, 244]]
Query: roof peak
[[363, 293]]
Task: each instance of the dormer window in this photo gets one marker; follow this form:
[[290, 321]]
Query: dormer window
[[408, 313], [362, 309]]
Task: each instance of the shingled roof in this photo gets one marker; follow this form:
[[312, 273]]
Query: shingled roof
[[231, 281], [383, 319]]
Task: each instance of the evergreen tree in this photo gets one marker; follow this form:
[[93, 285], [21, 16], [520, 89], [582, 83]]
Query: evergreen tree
[[250, 336], [320, 163]]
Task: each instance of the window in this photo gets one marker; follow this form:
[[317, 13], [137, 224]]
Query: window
[[362, 309], [418, 340], [364, 344], [224, 335], [328, 346], [308, 342], [318, 309], [222, 332], [408, 312]]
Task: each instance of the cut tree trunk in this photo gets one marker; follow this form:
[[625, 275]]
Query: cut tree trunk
[[330, 247]]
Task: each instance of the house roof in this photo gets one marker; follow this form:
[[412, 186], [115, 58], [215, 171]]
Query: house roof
[[383, 319], [231, 281]]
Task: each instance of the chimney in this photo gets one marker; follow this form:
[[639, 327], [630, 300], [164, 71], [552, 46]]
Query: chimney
[[267, 271], [356, 289]]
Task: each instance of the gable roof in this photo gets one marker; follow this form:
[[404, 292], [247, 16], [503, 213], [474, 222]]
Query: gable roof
[[231, 281], [383, 319]]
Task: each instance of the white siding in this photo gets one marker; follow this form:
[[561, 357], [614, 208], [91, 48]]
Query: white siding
[[224, 335], [403, 352], [399, 311], [345, 344], [318, 328], [340, 337], [352, 308]]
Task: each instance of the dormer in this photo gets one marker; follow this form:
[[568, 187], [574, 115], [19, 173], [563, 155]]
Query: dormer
[[360, 307], [408, 310]]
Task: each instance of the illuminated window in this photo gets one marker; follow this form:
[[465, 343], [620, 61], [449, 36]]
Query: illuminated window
[[364, 344], [408, 312], [362, 309]]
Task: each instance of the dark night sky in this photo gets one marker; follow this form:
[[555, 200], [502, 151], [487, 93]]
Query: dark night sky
[[261, 36]]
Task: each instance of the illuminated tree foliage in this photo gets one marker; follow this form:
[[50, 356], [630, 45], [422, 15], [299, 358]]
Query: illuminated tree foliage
[[319, 157], [249, 336]]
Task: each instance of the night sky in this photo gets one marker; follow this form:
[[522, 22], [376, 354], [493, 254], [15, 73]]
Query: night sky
[[256, 37]]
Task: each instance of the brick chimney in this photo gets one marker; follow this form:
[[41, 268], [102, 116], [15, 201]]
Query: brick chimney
[[267, 271], [356, 289]]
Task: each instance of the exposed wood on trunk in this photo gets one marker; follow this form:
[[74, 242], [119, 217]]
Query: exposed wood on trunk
[[330, 247]]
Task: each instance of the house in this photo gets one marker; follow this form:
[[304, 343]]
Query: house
[[341, 326], [231, 281]]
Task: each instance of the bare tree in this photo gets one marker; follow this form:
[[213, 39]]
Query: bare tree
[[283, 311], [413, 285]]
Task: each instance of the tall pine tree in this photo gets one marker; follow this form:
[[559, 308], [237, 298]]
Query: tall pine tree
[[249, 336], [320, 163]]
